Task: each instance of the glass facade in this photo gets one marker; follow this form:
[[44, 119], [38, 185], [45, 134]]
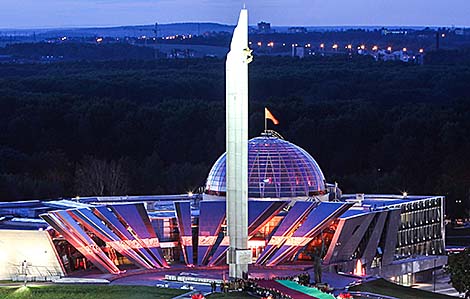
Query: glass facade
[[421, 228], [276, 168]]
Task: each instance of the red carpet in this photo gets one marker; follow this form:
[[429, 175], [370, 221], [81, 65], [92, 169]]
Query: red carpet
[[271, 284]]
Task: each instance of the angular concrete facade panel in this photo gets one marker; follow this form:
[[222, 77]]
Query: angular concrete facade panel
[[348, 235], [371, 247], [391, 230]]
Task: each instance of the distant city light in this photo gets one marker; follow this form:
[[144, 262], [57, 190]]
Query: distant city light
[[308, 45], [349, 47], [389, 49], [271, 44], [322, 45], [335, 46], [64, 38], [99, 39], [421, 50], [443, 35], [405, 49], [260, 44], [405, 194], [190, 194], [375, 48], [363, 47]]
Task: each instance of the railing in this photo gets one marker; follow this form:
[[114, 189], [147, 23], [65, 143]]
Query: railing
[[34, 273]]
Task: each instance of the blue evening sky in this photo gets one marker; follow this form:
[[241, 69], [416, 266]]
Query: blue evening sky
[[66, 13]]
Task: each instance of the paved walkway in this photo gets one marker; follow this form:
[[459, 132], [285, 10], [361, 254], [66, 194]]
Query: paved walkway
[[442, 286], [156, 277]]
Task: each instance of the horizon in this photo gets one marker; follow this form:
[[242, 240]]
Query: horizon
[[53, 14], [229, 25]]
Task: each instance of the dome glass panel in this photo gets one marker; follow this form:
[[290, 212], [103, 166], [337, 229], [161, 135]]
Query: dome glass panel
[[276, 169]]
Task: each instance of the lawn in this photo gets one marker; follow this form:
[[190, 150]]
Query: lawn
[[238, 295], [87, 292], [383, 287]]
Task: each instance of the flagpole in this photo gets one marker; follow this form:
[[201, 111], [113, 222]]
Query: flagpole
[[265, 122]]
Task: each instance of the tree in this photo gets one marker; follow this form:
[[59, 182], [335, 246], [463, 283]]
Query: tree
[[459, 270], [98, 177]]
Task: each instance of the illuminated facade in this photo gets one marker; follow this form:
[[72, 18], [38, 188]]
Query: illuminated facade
[[383, 233]]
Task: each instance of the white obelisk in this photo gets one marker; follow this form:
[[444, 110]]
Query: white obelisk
[[238, 256]]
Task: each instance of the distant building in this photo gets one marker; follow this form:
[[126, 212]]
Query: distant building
[[462, 31], [298, 51], [385, 31], [297, 30], [401, 55], [179, 53], [6, 58], [264, 27]]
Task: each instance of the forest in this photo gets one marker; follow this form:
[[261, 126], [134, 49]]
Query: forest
[[156, 126]]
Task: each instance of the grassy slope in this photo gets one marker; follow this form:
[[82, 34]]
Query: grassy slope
[[384, 287], [87, 292]]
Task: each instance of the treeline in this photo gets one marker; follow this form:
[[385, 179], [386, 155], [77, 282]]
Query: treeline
[[156, 127]]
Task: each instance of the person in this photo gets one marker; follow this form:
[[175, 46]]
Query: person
[[24, 266], [317, 269], [24, 269], [213, 286]]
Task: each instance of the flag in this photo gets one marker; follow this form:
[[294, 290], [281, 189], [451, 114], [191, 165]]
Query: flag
[[269, 115]]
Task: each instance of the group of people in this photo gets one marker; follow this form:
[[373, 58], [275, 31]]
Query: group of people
[[250, 286], [234, 285]]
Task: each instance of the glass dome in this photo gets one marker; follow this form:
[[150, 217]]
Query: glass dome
[[276, 169]]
